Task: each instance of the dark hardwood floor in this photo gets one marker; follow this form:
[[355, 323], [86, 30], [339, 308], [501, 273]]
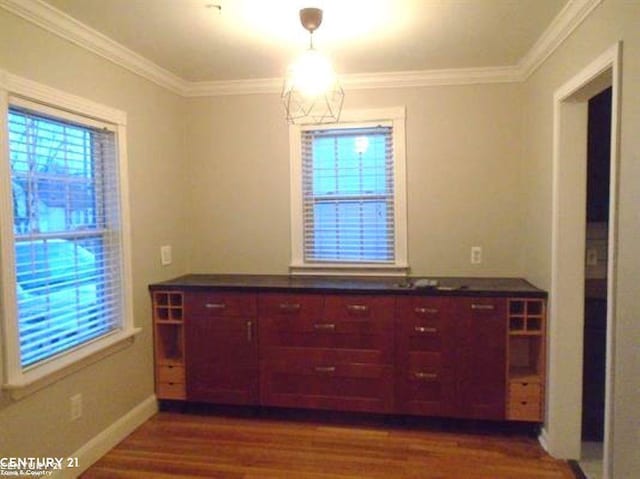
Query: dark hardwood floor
[[201, 445]]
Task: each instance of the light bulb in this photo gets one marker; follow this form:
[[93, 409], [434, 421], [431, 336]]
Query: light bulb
[[311, 74]]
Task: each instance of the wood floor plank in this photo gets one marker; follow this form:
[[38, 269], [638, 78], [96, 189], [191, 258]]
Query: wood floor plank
[[189, 446]]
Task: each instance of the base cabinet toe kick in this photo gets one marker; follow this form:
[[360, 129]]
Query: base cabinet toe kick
[[458, 356]]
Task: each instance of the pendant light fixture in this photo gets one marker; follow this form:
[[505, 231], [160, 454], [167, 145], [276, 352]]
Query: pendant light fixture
[[311, 92]]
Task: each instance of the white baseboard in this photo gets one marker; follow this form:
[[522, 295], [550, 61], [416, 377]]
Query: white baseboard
[[543, 439], [106, 440]]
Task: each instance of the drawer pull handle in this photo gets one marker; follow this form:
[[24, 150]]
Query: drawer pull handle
[[325, 369], [422, 329], [421, 310], [426, 376], [215, 306], [324, 326], [289, 307], [249, 331], [358, 308], [483, 307]]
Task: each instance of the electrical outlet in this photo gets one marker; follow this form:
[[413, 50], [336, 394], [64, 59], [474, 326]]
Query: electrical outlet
[[165, 255], [76, 406], [476, 254]]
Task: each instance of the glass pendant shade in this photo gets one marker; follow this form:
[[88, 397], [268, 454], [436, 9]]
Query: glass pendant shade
[[311, 92]]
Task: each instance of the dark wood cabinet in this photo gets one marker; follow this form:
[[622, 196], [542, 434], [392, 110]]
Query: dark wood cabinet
[[425, 356], [221, 348], [481, 338], [431, 354], [327, 352]]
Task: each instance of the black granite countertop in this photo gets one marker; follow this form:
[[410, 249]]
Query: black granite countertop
[[454, 286]]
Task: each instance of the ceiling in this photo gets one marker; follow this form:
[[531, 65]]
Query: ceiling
[[253, 39]]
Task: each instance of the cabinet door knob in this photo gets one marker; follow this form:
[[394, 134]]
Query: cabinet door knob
[[422, 310], [249, 331], [215, 306], [425, 376], [358, 308], [483, 307], [289, 307], [324, 326], [325, 369], [423, 329]]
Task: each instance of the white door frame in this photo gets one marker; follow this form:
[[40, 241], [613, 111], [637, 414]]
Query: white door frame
[[562, 432]]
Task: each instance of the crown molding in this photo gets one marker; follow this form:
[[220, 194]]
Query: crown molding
[[65, 26], [422, 78], [363, 81], [233, 87], [567, 20]]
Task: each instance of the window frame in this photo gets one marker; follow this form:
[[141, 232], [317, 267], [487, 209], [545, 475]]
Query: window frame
[[21, 381], [349, 119]]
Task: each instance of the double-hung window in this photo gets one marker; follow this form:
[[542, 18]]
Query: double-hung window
[[348, 194], [64, 245]]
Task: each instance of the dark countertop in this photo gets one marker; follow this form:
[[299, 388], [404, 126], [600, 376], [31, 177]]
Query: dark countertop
[[454, 286]]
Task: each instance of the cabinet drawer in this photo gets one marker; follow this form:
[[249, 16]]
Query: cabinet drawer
[[327, 336], [425, 324], [327, 355], [170, 374], [524, 391], [220, 304], [327, 385], [353, 308], [171, 390], [290, 306], [525, 410], [423, 309]]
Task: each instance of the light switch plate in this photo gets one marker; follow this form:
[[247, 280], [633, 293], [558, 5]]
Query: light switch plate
[[165, 255], [476, 254]]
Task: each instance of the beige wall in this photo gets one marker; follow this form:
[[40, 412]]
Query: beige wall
[[612, 21], [210, 177], [464, 179], [39, 424]]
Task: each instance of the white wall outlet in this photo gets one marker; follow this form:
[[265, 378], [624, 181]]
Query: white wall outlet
[[476, 254], [165, 255], [76, 406]]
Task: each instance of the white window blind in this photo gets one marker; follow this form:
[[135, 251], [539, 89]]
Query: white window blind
[[348, 195], [66, 212]]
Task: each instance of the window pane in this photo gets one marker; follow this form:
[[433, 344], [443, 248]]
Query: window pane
[[348, 195], [353, 164], [66, 271], [351, 231], [52, 175]]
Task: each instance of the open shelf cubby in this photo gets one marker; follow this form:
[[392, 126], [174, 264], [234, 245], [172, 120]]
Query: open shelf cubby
[[167, 306], [526, 369], [169, 344], [526, 316]]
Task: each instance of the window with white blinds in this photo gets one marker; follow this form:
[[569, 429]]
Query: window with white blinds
[[66, 222], [348, 195]]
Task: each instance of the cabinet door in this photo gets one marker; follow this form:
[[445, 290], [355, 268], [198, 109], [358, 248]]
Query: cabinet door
[[221, 348], [481, 337], [425, 356]]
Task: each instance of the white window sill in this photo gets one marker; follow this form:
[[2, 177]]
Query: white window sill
[[48, 373], [334, 269]]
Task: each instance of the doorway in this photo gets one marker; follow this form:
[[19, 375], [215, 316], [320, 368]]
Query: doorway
[[595, 286], [562, 433]]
